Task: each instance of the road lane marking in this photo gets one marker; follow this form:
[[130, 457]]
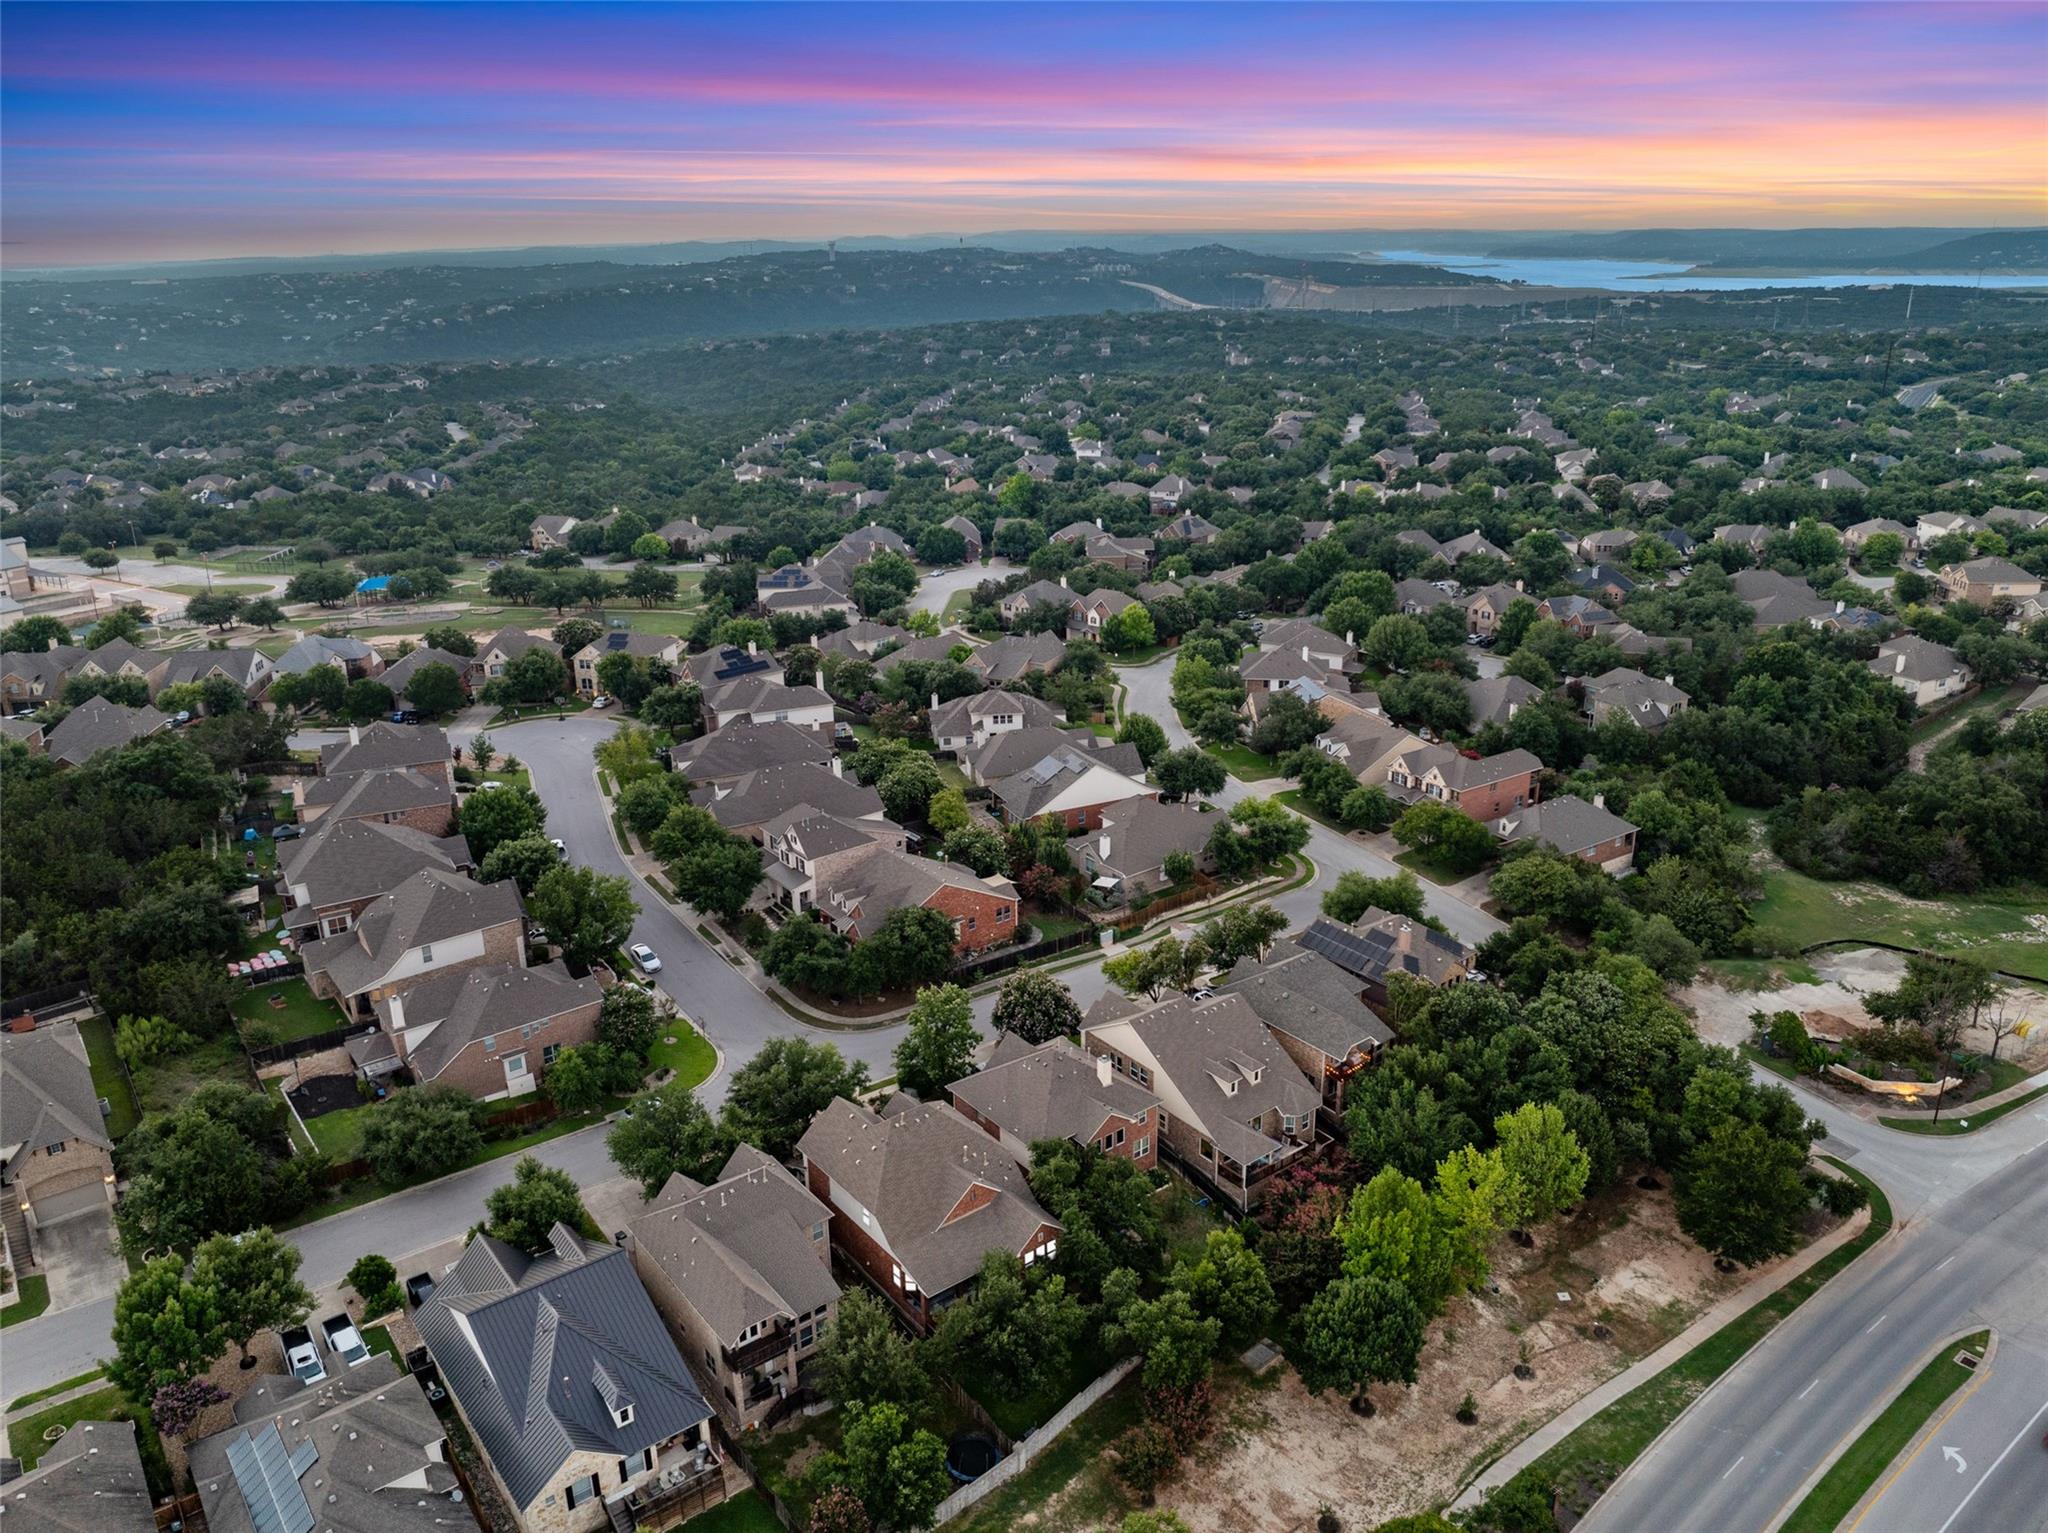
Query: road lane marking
[[1928, 1434], [1880, 1320], [1944, 1264], [1734, 1466], [1987, 1474], [1808, 1390]]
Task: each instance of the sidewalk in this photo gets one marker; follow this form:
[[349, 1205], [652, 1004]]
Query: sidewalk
[[1589, 1405], [1956, 1111]]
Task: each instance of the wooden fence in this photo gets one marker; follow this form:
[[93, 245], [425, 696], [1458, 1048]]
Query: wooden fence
[[1020, 1458]]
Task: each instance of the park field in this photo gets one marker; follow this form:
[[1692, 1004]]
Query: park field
[[2007, 930]]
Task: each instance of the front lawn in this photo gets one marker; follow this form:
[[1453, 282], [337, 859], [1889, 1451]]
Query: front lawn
[[1993, 928], [1435, 869], [1244, 763], [108, 1078], [31, 1298], [303, 1014], [28, 1442], [680, 1047]]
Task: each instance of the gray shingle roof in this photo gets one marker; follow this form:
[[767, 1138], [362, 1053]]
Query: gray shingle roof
[[99, 725], [885, 879], [474, 1003], [519, 1341], [362, 794], [385, 745], [740, 1250], [320, 649], [345, 860], [745, 747], [1568, 823], [399, 674], [1380, 943], [1001, 755], [89, 1481], [1008, 658], [1051, 1092], [428, 907], [757, 797], [911, 1171], [1142, 831], [957, 717], [46, 1089], [1304, 995]]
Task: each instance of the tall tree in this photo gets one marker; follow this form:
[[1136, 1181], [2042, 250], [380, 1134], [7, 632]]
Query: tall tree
[[938, 1046], [1036, 1007], [1356, 1332], [586, 913], [166, 1330], [253, 1280], [668, 1132], [773, 1097]]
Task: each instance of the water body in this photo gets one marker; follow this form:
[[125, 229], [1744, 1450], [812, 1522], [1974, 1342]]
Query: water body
[[1669, 277]]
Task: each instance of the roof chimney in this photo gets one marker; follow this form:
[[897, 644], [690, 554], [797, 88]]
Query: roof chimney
[[1102, 1069], [1518, 585], [1063, 582], [935, 702], [1304, 651], [1098, 524], [1899, 663], [750, 646], [1599, 801], [837, 768], [1102, 846], [397, 1012], [355, 734]]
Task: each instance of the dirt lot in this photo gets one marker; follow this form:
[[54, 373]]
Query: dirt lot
[[1282, 1454], [1843, 978]]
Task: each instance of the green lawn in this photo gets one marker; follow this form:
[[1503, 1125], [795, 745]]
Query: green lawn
[[1754, 974], [1432, 868], [1784, 1069], [1612, 1440], [1068, 1488], [1994, 929], [1992, 700], [303, 1015], [536, 710], [800, 1436], [1883, 1440], [378, 1339], [29, 1444], [335, 1134], [1244, 763], [163, 1085], [108, 1078], [668, 620], [744, 1513], [32, 1297], [1293, 799], [690, 1054], [220, 588]]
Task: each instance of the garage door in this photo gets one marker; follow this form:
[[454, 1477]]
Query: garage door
[[69, 1205]]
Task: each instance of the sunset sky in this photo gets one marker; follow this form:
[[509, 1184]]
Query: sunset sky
[[178, 132]]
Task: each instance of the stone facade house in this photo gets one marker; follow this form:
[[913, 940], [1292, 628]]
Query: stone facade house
[[331, 875], [1127, 855], [1317, 1013], [968, 721], [742, 1272], [918, 1198], [383, 747], [1984, 581], [399, 796]]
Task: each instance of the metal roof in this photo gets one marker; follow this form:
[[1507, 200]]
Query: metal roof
[[269, 1482]]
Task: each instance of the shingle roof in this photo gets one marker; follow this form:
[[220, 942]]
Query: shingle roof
[[344, 860], [469, 1004], [911, 1171], [399, 674], [1023, 794], [362, 794], [1141, 832], [430, 906], [1494, 699], [385, 745], [957, 717], [1008, 658], [756, 797], [1302, 994], [1568, 823], [740, 1250], [99, 725], [1051, 1092], [519, 1341], [1380, 943], [1002, 755], [885, 879], [46, 1089], [745, 746], [241, 665], [89, 1481]]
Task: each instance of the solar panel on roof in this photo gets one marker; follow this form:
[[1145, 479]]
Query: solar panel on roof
[[263, 1474], [617, 640], [1347, 949]]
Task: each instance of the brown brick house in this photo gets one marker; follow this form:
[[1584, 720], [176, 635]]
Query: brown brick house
[[394, 796], [434, 921], [1057, 1092], [1484, 787], [918, 1198], [1573, 826], [328, 877], [856, 891], [742, 1272], [491, 1031], [56, 1159], [381, 747]]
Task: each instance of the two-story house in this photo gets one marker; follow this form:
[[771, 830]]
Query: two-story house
[[966, 722], [490, 1031], [1055, 1091], [747, 804], [398, 796], [1645, 701], [1318, 1015], [1071, 787], [434, 921], [328, 876], [1923, 670], [918, 1198], [1984, 581], [1483, 787], [1576, 828], [56, 1157], [383, 747], [662, 651], [742, 1272]]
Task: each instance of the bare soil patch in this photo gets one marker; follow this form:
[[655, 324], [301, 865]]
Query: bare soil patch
[[1281, 1454]]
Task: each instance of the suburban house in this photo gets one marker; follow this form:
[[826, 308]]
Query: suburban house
[[1571, 825], [28, 732], [327, 877], [968, 721], [546, 532], [495, 654], [766, 699], [807, 845], [352, 657], [490, 1031], [1086, 615], [1366, 743], [742, 1272], [1984, 581], [1068, 785], [969, 533], [89, 1481], [1190, 526], [363, 1445], [1416, 597], [1381, 943], [1006, 754], [1131, 555], [31, 679], [864, 639], [918, 1198], [746, 804], [98, 725], [1497, 699], [1778, 599], [381, 747], [1485, 607], [1646, 701], [1856, 538], [1055, 1091], [1015, 655], [1482, 786], [1925, 671], [745, 747], [1748, 535], [432, 922], [399, 674], [246, 669], [856, 893], [806, 591], [1236, 1107], [1315, 1011], [661, 651], [685, 538], [1473, 543], [398, 796], [718, 668], [56, 1157], [581, 1406], [1040, 593], [1127, 855]]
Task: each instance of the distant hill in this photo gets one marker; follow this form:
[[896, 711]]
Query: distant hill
[[1787, 250]]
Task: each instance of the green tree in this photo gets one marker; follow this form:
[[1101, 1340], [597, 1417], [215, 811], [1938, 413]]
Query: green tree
[[1016, 1331], [1175, 1341], [1241, 931], [1357, 1332], [584, 1077], [1105, 1207], [537, 676], [1546, 1168], [649, 546], [425, 1131], [1444, 835], [33, 635], [908, 787], [141, 1040], [204, 1168], [587, 914], [1144, 732], [981, 848], [1228, 1282], [524, 861], [536, 1200], [1396, 642], [490, 817], [947, 812], [669, 1133], [1036, 1007], [626, 1020], [323, 587], [1129, 630], [450, 640], [866, 1360], [912, 946], [1355, 893], [435, 689], [365, 699], [166, 1330], [1188, 773], [676, 707], [1268, 830], [253, 1281], [773, 1097], [1474, 1189], [1742, 1192], [216, 609], [1393, 1229], [938, 1045], [375, 1282], [262, 612], [645, 804], [897, 1471]]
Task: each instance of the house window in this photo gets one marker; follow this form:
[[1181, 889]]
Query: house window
[[491, 1044], [547, 1055], [818, 1231], [895, 1275], [515, 1066], [970, 923], [623, 1416], [427, 952], [1119, 1136], [54, 1149], [1144, 1148], [1208, 1150], [1140, 1074], [581, 1491]]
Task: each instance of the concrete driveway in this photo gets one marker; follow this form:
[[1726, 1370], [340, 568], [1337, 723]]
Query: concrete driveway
[[81, 1259]]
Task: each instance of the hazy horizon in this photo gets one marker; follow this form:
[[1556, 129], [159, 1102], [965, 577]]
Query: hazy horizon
[[173, 133]]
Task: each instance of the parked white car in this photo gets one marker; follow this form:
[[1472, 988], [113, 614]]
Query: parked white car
[[344, 1340], [644, 956], [301, 1356]]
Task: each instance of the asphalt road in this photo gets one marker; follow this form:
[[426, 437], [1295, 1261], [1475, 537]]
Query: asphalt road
[[1985, 1466]]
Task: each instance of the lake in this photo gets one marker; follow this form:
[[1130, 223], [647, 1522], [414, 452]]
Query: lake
[[1670, 277]]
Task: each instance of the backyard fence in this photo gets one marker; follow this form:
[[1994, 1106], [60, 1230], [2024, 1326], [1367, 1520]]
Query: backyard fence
[[971, 970], [55, 1000], [261, 1054], [784, 1512], [1203, 889], [1020, 1458]]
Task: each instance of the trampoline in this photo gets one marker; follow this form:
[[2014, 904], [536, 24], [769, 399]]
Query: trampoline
[[970, 1455]]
